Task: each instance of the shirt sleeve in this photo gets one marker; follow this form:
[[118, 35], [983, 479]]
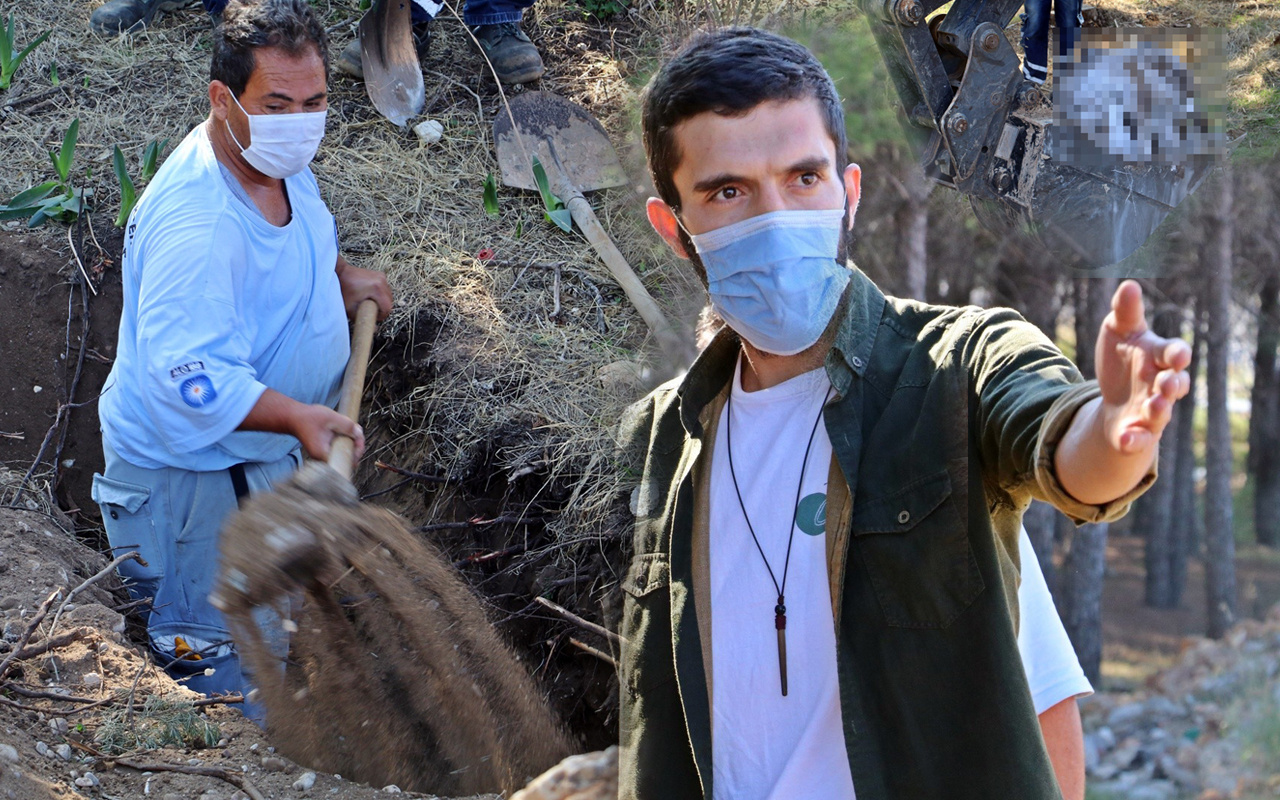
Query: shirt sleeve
[[1053, 670], [1028, 393], [193, 365]]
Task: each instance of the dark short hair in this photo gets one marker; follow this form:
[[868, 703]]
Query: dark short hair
[[247, 25], [730, 71]]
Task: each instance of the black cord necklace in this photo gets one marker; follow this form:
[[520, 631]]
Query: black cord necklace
[[780, 610]]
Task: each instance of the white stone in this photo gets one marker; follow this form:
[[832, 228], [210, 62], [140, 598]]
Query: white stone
[[92, 679], [304, 783], [429, 131], [43, 749], [63, 751], [391, 789], [8, 753]]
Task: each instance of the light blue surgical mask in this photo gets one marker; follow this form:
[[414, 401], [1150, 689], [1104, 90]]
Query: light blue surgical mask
[[775, 278]]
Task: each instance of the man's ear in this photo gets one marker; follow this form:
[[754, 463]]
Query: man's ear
[[219, 100], [663, 220], [853, 189]]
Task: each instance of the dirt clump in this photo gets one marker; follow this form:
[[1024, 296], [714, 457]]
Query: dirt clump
[[395, 674]]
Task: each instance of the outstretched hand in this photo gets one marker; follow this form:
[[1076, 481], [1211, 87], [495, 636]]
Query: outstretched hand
[[1141, 375]]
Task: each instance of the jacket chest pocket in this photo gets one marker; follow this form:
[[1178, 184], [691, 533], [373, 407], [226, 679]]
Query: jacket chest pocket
[[915, 545], [646, 624]]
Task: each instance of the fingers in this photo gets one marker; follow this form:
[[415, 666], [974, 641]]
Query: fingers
[[1172, 354], [1128, 314]]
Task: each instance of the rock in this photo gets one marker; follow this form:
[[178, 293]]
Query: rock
[[7, 603], [87, 780], [429, 131], [63, 751], [274, 764], [1125, 718], [590, 776], [96, 616], [8, 753], [92, 679], [304, 783], [1156, 790], [391, 789], [43, 749], [59, 725]]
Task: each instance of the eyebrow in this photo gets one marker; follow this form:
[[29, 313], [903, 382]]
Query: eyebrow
[[288, 99], [811, 164]]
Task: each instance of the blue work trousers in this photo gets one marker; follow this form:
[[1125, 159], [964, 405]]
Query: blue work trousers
[[475, 12], [173, 518], [1035, 34]]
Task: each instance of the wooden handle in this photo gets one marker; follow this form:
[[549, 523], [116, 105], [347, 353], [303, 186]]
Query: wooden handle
[[670, 342], [342, 452]]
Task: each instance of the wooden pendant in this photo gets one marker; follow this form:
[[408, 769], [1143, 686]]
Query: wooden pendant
[[780, 622]]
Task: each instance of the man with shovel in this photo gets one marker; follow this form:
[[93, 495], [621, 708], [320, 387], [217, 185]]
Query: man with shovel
[[233, 338], [823, 595]]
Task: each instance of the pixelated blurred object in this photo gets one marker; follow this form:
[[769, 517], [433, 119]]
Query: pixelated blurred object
[[1092, 186]]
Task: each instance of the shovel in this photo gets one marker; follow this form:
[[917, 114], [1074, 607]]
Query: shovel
[[576, 153], [392, 75]]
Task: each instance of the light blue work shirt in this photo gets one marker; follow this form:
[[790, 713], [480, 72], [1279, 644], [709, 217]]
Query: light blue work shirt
[[219, 305]]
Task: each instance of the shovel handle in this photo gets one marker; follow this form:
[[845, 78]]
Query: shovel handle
[[670, 342], [343, 450]]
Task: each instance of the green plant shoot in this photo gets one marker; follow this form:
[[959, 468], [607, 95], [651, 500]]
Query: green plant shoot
[[62, 159], [8, 63], [553, 207], [491, 196], [128, 194], [151, 158], [53, 73]]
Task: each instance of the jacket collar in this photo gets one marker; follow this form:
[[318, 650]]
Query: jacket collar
[[863, 305]]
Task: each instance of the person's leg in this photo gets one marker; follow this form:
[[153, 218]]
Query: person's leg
[[122, 16], [496, 25], [1035, 40], [1069, 18], [351, 60]]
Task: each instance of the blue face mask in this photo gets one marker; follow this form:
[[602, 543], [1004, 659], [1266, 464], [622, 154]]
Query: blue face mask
[[774, 278]]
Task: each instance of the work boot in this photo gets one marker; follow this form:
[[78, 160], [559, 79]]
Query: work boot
[[350, 58], [513, 56], [122, 16]]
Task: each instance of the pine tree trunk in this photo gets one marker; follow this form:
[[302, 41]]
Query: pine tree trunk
[[1080, 583], [914, 222], [1264, 417], [1154, 510], [1220, 575], [1183, 540], [1039, 521]]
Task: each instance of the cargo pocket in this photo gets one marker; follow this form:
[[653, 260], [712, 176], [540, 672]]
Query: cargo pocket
[[915, 545], [126, 514], [646, 661]]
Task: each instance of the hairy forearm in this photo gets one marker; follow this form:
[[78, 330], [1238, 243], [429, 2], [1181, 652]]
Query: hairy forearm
[[1089, 468], [1064, 739], [273, 413]]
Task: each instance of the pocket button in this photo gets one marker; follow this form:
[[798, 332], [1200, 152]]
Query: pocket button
[[115, 514], [904, 517]]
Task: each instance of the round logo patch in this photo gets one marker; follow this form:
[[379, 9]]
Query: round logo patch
[[811, 514], [198, 391]]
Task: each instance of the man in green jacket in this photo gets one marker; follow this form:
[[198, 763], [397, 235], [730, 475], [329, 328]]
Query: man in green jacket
[[823, 590]]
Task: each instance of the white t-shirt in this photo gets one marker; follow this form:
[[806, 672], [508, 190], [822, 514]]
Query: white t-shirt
[[765, 745], [219, 305]]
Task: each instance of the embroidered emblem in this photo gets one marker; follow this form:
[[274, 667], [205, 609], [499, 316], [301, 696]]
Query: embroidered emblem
[[198, 391], [186, 369], [811, 514]]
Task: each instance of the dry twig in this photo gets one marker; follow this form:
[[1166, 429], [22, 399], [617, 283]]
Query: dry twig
[[579, 621], [133, 555], [41, 613]]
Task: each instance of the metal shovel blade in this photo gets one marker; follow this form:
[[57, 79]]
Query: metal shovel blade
[[580, 143], [392, 75]]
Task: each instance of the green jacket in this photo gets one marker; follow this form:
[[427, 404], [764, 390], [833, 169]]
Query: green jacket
[[943, 428]]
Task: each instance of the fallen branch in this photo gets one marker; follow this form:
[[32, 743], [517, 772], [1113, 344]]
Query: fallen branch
[[480, 558], [52, 643], [130, 556], [41, 613], [239, 781], [579, 621], [586, 648], [218, 700], [25, 692], [16, 435], [417, 476], [514, 519]]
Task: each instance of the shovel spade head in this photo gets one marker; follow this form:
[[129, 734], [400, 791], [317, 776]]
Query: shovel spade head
[[557, 131], [392, 75]]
